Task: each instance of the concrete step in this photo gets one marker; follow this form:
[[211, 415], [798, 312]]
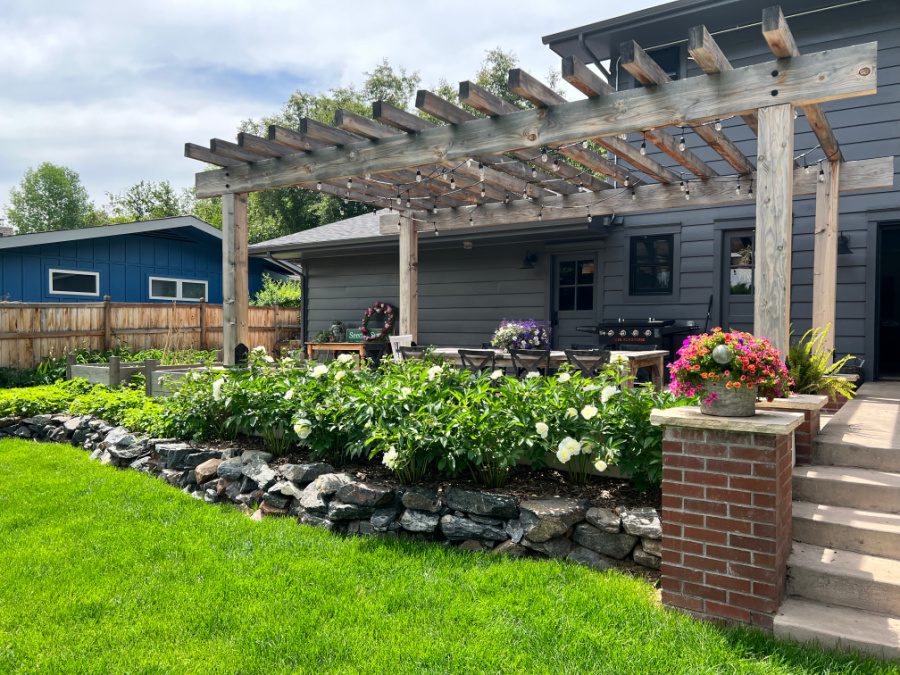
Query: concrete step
[[870, 532], [841, 453], [844, 578], [839, 627], [848, 486]]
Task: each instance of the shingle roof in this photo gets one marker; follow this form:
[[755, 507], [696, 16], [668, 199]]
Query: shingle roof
[[350, 229]]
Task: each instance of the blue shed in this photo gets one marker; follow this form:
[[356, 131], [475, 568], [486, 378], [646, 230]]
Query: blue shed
[[161, 260]]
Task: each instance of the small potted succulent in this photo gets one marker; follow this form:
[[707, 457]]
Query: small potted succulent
[[729, 371]]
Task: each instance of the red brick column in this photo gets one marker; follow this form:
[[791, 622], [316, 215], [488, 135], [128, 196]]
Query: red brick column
[[805, 435], [726, 513]]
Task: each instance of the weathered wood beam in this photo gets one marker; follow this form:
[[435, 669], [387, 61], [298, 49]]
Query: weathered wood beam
[[201, 154], [241, 272], [227, 149], [825, 254], [293, 139], [409, 277], [774, 226], [646, 71], [869, 174], [781, 42], [584, 79], [229, 322], [263, 146], [712, 61], [810, 78]]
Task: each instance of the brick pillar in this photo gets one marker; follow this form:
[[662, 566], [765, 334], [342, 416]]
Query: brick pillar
[[805, 435], [726, 513]]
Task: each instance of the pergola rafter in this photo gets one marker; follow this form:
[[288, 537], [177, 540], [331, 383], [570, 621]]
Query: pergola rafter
[[505, 169]]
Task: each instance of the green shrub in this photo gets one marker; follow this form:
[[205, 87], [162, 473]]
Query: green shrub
[[128, 407], [50, 398], [287, 293]]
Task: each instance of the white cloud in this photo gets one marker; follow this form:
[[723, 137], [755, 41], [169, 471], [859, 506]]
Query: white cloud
[[113, 88]]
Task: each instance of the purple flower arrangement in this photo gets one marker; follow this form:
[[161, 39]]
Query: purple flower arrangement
[[522, 334]]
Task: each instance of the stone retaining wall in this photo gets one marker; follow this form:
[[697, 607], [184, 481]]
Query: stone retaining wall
[[315, 494]]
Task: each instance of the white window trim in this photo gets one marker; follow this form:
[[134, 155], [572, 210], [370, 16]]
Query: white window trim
[[178, 285], [96, 276]]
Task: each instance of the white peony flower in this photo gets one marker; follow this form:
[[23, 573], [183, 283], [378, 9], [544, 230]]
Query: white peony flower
[[567, 448], [268, 359], [340, 375], [435, 371], [319, 371], [608, 392], [289, 394], [196, 375], [260, 349], [564, 377], [303, 428], [542, 429], [532, 373], [345, 358], [497, 374], [600, 465], [589, 412], [571, 412], [391, 458], [405, 391], [217, 389]]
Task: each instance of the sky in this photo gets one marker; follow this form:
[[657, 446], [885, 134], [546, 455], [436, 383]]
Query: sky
[[114, 88]]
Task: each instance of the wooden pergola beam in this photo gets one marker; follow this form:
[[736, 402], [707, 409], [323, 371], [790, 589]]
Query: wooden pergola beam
[[227, 149], [646, 71], [202, 154], [781, 42], [825, 251], [811, 78], [868, 174]]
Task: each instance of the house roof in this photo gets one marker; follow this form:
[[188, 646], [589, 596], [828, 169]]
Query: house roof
[[357, 229], [56, 236]]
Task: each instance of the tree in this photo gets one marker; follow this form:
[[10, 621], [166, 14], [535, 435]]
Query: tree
[[48, 198], [148, 201]]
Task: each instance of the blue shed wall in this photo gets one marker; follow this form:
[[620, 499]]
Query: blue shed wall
[[125, 264]]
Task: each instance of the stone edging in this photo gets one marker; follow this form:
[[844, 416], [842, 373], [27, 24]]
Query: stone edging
[[315, 494]]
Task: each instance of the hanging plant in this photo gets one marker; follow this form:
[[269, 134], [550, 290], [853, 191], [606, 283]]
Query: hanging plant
[[379, 309]]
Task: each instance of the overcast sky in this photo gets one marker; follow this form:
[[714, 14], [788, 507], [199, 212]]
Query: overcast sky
[[114, 88]]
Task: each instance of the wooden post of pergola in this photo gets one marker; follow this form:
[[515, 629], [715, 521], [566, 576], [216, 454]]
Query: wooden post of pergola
[[409, 277], [235, 290], [825, 254]]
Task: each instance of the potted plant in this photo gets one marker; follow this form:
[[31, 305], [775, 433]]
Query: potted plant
[[729, 371], [338, 332], [521, 334]]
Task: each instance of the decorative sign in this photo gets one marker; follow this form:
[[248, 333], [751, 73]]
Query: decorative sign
[[355, 335]]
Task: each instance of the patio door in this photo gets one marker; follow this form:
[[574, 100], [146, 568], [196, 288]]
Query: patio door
[[574, 299], [737, 280], [888, 335]]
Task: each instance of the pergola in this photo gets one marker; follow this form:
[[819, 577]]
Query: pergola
[[571, 159]]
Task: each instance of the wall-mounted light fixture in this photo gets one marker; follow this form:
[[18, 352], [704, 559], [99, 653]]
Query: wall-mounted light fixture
[[467, 245], [844, 245], [604, 222], [529, 261]]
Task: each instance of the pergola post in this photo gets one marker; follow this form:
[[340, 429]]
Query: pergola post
[[409, 277], [774, 222], [235, 294], [825, 255]]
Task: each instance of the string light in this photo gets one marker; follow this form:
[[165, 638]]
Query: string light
[[452, 183], [469, 162], [349, 184], [525, 192], [589, 214], [368, 176], [506, 199], [584, 144], [750, 191], [682, 185], [436, 233], [544, 156], [805, 165], [541, 213], [408, 204], [626, 182], [556, 165], [681, 144], [319, 186], [533, 172], [418, 176], [481, 170], [482, 190], [718, 125], [687, 192], [633, 194], [471, 220], [643, 148], [821, 173], [737, 188]]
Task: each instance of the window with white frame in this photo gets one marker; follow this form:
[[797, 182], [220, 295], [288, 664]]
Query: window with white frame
[[165, 288], [74, 282]]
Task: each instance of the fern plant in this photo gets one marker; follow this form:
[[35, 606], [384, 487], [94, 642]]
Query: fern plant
[[811, 367]]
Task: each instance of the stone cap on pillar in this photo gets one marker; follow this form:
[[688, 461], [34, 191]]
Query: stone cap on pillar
[[796, 402], [763, 422]]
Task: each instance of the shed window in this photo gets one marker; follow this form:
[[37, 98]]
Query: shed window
[[162, 288], [651, 264], [74, 282]]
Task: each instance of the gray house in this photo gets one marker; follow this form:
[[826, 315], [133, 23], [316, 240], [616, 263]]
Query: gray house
[[677, 264]]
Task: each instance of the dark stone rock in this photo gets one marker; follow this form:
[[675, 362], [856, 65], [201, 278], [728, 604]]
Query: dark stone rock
[[141, 464], [456, 528], [586, 556], [248, 484], [383, 518], [515, 530], [360, 527], [188, 478], [72, 425], [269, 509], [250, 455], [313, 501], [329, 483], [615, 545], [305, 473], [652, 546], [172, 455], [231, 468], [8, 422], [95, 454], [232, 489], [419, 521], [558, 547], [118, 437], [171, 476], [207, 470], [79, 436], [474, 545], [365, 494], [24, 432], [259, 472], [210, 496], [246, 498], [276, 500], [510, 548], [482, 503], [58, 434], [642, 522], [127, 454], [195, 459], [544, 519], [38, 420], [641, 557], [484, 520], [422, 499], [604, 519], [287, 488], [316, 521], [338, 510]]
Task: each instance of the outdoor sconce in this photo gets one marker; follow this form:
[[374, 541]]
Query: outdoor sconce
[[604, 222], [529, 261], [844, 245]]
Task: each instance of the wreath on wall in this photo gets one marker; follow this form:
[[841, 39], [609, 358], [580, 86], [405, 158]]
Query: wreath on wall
[[379, 309]]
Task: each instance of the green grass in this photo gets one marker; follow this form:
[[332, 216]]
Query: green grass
[[112, 571]]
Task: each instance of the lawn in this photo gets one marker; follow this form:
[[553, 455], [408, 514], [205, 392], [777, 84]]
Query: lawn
[[112, 571]]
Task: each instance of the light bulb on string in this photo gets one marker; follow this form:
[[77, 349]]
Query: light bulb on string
[[541, 213], [452, 183], [319, 186], [626, 182], [681, 143], [556, 165], [368, 176], [633, 194], [718, 125], [589, 215], [584, 144], [525, 192], [408, 202], [737, 187], [821, 174], [506, 199], [349, 183], [436, 233], [544, 156], [805, 165], [643, 148], [750, 191], [482, 190], [418, 176], [471, 220], [681, 185], [687, 192], [469, 162], [533, 172], [481, 171]]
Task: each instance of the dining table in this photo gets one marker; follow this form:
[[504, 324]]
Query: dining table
[[653, 360]]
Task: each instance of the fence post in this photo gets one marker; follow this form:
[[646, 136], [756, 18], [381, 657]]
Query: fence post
[[203, 324], [149, 366], [275, 325], [70, 361], [114, 373], [107, 324]]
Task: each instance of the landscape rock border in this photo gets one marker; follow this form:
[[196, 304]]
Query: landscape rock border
[[318, 495]]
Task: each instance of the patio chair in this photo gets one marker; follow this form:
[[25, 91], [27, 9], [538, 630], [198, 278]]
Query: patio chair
[[526, 361], [477, 360], [410, 352], [398, 341], [588, 361]]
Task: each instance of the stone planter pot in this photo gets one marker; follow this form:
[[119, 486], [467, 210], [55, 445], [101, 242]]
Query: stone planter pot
[[729, 402]]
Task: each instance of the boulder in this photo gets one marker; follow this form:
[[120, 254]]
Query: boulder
[[456, 528], [305, 473], [652, 546], [586, 556], [231, 468], [250, 455], [515, 530], [246, 498], [23, 432], [419, 521], [338, 510], [11, 422], [604, 519], [58, 434], [365, 494], [484, 520], [510, 548], [313, 501], [172, 455], [641, 557], [482, 503], [642, 522], [360, 527], [259, 472], [207, 470], [329, 483], [422, 499], [127, 454], [118, 437], [195, 459], [232, 489], [276, 500], [558, 547], [141, 464], [544, 519], [384, 517], [615, 545], [316, 521], [286, 488], [38, 420]]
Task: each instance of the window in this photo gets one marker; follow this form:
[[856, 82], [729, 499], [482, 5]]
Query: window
[[162, 288], [651, 264], [576, 286], [740, 267], [74, 282]]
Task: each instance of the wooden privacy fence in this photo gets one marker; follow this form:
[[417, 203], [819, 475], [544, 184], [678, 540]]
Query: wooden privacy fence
[[30, 332]]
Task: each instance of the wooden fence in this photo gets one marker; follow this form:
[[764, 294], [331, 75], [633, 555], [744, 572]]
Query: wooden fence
[[30, 332]]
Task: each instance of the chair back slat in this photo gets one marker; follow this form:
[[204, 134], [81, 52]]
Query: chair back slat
[[410, 352], [477, 360], [588, 361], [398, 341], [526, 361]]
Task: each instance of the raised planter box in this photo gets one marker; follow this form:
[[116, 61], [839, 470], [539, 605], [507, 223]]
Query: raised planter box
[[115, 373]]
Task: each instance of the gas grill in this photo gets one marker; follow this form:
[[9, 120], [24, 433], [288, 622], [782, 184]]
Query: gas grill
[[648, 334]]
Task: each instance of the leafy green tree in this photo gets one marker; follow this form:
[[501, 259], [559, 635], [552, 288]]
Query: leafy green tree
[[148, 200], [286, 292], [49, 197]]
